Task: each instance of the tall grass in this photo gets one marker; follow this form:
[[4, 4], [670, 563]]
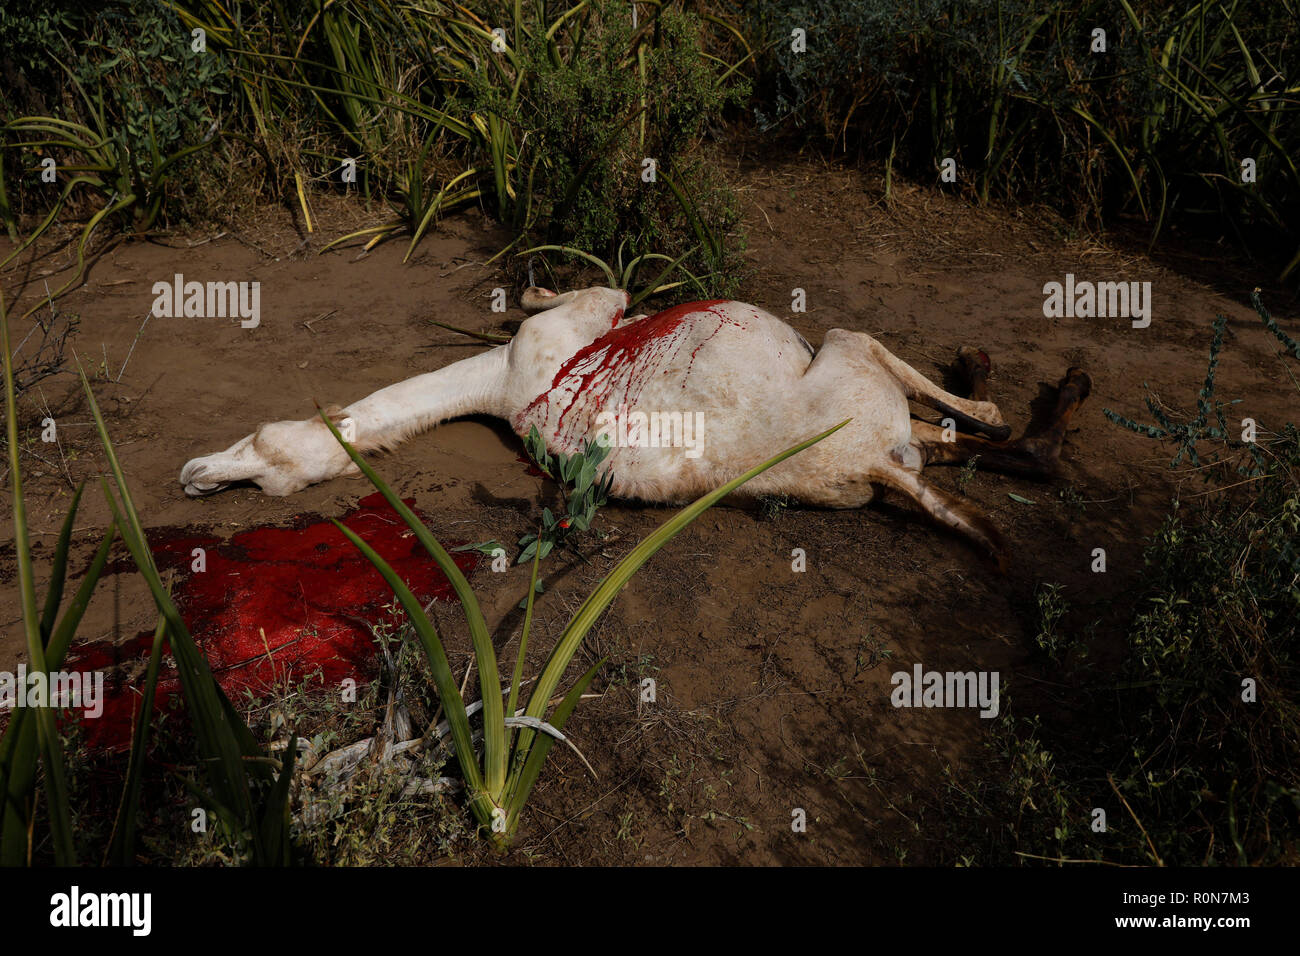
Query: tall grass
[[545, 123], [127, 105], [541, 114], [244, 790], [515, 747], [1156, 126], [32, 734]]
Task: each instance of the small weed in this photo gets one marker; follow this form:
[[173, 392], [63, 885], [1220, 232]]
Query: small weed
[[967, 473]]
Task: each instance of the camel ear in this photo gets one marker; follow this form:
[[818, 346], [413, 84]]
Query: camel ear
[[346, 425], [536, 299]]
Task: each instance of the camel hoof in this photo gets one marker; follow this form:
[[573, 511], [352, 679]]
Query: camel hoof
[[192, 476], [199, 491], [971, 360], [1078, 380], [974, 366]]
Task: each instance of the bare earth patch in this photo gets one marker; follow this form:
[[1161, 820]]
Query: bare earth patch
[[772, 687]]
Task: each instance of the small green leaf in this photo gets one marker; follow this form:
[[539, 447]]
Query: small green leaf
[[485, 547]]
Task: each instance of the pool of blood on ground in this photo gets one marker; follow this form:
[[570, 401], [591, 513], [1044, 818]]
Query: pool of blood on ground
[[273, 605]]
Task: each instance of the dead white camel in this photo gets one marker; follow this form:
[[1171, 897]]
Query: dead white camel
[[690, 398]]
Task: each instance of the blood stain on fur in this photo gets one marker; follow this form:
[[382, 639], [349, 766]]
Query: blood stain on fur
[[614, 369]]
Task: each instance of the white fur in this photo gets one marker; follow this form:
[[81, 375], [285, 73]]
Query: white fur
[[751, 375]]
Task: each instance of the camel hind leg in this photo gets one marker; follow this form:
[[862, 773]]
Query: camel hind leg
[[1036, 454], [981, 417], [948, 510]]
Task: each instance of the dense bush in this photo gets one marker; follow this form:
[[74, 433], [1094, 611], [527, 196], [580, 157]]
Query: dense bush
[[127, 96], [585, 124], [548, 128], [545, 124], [1157, 125]]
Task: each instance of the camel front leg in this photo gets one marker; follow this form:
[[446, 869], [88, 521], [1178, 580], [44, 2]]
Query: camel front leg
[[285, 457]]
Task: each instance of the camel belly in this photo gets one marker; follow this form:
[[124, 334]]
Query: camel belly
[[692, 397]]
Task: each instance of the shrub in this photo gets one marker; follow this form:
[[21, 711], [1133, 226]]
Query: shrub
[[587, 123], [1157, 125], [1193, 765], [126, 75]]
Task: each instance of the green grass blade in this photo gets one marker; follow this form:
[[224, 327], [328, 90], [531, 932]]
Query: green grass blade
[[570, 250], [452, 703], [66, 629], [521, 786], [494, 728], [615, 581], [17, 782], [702, 231], [657, 284], [18, 745], [49, 219], [276, 816], [51, 747], [518, 677], [434, 206], [221, 745], [121, 849], [59, 568]]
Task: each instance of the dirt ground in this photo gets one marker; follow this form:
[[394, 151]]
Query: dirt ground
[[772, 686]]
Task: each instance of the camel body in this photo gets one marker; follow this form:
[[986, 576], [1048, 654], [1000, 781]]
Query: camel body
[[743, 382]]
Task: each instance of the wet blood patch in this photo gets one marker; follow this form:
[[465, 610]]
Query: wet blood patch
[[273, 605]]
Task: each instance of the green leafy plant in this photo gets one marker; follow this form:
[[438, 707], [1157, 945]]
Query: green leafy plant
[[621, 275], [582, 489], [1209, 424], [136, 106], [771, 507], [1051, 611], [967, 473]]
